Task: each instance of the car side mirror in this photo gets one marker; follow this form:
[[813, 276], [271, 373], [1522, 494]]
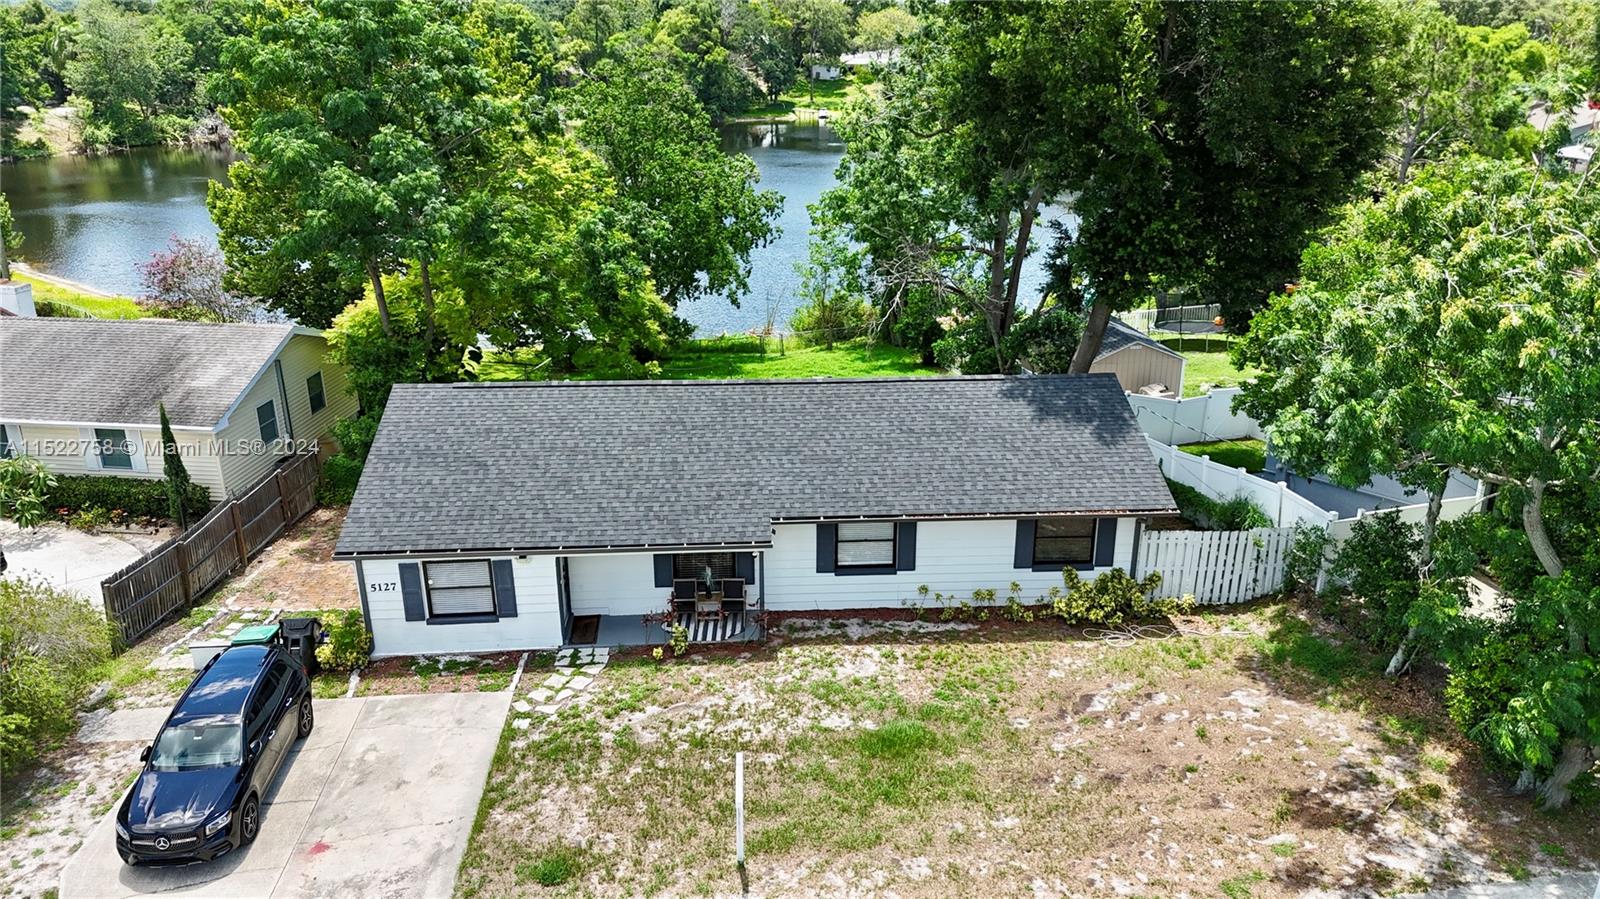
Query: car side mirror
[[144, 754], [255, 748]]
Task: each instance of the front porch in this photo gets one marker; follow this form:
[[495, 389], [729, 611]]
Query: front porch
[[641, 630]]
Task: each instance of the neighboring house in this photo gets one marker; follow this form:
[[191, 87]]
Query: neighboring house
[[826, 71], [1139, 362], [870, 58], [81, 395], [514, 516]]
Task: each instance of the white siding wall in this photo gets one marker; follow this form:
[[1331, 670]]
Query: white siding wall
[[62, 450], [623, 584], [952, 557], [301, 357], [537, 625]]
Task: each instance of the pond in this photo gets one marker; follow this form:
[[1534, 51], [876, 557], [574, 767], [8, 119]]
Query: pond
[[94, 219]]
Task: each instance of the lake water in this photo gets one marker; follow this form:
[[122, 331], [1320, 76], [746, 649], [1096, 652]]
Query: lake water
[[95, 219]]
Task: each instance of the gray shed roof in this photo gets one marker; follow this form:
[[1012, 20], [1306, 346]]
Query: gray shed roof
[[1119, 336], [591, 465], [98, 371]]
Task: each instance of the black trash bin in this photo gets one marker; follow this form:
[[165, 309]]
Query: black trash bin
[[301, 636]]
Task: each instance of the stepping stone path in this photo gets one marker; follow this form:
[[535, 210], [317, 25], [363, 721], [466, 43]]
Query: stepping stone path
[[555, 691]]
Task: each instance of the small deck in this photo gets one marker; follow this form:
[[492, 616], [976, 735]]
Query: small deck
[[631, 630]]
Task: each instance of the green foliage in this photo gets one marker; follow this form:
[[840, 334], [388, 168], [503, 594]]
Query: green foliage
[[10, 239], [134, 496], [833, 309], [551, 868], [1378, 562], [127, 75], [52, 644], [25, 490], [349, 644], [885, 29], [897, 738], [1109, 599], [341, 474], [679, 640], [179, 485], [1236, 513], [89, 519], [1249, 454], [1308, 553]]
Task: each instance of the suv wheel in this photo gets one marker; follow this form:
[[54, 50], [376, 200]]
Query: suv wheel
[[306, 717], [249, 821]]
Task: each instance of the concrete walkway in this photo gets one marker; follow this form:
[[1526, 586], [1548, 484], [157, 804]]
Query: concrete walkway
[[1566, 886], [378, 801]]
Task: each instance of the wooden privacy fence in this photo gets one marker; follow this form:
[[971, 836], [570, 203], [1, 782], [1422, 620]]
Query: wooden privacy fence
[[172, 576], [1217, 566]]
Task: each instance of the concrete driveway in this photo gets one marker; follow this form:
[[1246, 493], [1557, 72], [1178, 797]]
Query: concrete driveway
[[378, 801], [70, 559]]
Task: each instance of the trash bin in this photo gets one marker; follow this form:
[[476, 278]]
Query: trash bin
[[301, 637], [256, 635]]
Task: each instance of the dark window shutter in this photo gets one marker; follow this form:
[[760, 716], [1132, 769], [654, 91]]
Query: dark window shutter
[[411, 591], [663, 569], [827, 542], [1105, 543], [744, 567], [505, 589], [1024, 555], [905, 546]]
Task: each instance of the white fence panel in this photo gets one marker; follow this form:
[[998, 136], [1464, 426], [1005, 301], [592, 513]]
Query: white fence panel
[[1285, 507], [1197, 419], [1217, 566]]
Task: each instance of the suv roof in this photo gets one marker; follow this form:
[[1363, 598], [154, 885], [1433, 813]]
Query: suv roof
[[224, 686]]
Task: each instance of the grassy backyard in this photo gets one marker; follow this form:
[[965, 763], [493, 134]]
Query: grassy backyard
[[746, 357], [1254, 756], [807, 95], [1246, 453], [1207, 364], [84, 303]]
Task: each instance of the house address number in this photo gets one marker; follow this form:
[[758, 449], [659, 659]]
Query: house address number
[[382, 586]]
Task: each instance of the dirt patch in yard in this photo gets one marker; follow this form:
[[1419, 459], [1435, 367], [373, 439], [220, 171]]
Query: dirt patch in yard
[[1250, 755], [297, 572]]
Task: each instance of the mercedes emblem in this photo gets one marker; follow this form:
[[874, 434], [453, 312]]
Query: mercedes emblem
[[163, 843]]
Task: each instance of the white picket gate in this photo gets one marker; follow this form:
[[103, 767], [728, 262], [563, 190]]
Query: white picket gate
[[1217, 566]]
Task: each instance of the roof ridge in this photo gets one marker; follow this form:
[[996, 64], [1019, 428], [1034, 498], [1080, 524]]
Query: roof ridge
[[666, 382]]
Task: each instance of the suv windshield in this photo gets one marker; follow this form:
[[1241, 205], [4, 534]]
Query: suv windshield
[[206, 744]]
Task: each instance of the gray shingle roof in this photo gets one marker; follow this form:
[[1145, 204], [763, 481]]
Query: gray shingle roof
[[115, 372], [670, 463], [1119, 336]]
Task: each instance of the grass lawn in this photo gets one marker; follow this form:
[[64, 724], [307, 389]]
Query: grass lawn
[[744, 357], [1207, 365], [806, 95], [1256, 757], [88, 304], [1249, 454]]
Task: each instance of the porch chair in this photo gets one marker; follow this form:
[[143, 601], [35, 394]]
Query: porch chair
[[684, 592], [733, 595]]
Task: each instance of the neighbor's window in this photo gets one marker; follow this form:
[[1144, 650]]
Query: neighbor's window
[[314, 392], [1064, 541], [696, 565], [7, 447], [115, 451], [459, 588], [267, 418], [864, 543]]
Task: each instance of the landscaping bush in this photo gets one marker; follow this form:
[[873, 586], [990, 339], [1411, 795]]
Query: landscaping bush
[[349, 644], [52, 646], [1379, 565], [139, 497], [340, 475], [1237, 513], [1109, 599]]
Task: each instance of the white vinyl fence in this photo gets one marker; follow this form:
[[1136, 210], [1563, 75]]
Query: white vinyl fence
[[1217, 566], [1197, 419], [1285, 507]]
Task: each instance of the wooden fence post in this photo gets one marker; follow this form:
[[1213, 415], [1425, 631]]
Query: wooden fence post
[[181, 552], [283, 496], [238, 533]]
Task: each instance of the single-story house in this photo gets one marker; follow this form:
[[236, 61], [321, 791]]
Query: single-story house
[[498, 516], [1139, 361], [81, 395]]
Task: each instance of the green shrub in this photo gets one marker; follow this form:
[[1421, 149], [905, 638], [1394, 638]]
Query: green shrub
[[349, 644], [1379, 564], [1307, 554], [1237, 513], [139, 497], [89, 519], [52, 646], [1110, 599], [25, 486], [340, 475]]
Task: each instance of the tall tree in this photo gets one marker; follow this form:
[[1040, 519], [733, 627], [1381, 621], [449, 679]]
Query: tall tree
[[693, 209], [129, 68], [178, 482]]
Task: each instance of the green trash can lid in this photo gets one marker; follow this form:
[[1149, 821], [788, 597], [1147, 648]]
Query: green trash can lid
[[256, 633]]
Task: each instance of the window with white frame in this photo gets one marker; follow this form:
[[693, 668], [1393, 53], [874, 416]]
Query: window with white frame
[[114, 449], [459, 588], [314, 393], [1064, 541], [864, 544], [9, 438]]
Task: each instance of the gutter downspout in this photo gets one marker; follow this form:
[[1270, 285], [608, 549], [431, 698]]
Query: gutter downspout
[[283, 393], [1138, 538]]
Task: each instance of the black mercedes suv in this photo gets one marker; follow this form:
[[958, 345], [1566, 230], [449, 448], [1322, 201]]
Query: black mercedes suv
[[200, 792]]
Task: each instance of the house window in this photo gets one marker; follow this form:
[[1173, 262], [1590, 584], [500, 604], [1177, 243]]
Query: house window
[[459, 588], [865, 544], [113, 448], [267, 419], [8, 447], [695, 565], [1064, 541], [314, 392]]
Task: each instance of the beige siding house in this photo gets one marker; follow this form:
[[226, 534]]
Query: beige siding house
[[1141, 364], [81, 395]]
